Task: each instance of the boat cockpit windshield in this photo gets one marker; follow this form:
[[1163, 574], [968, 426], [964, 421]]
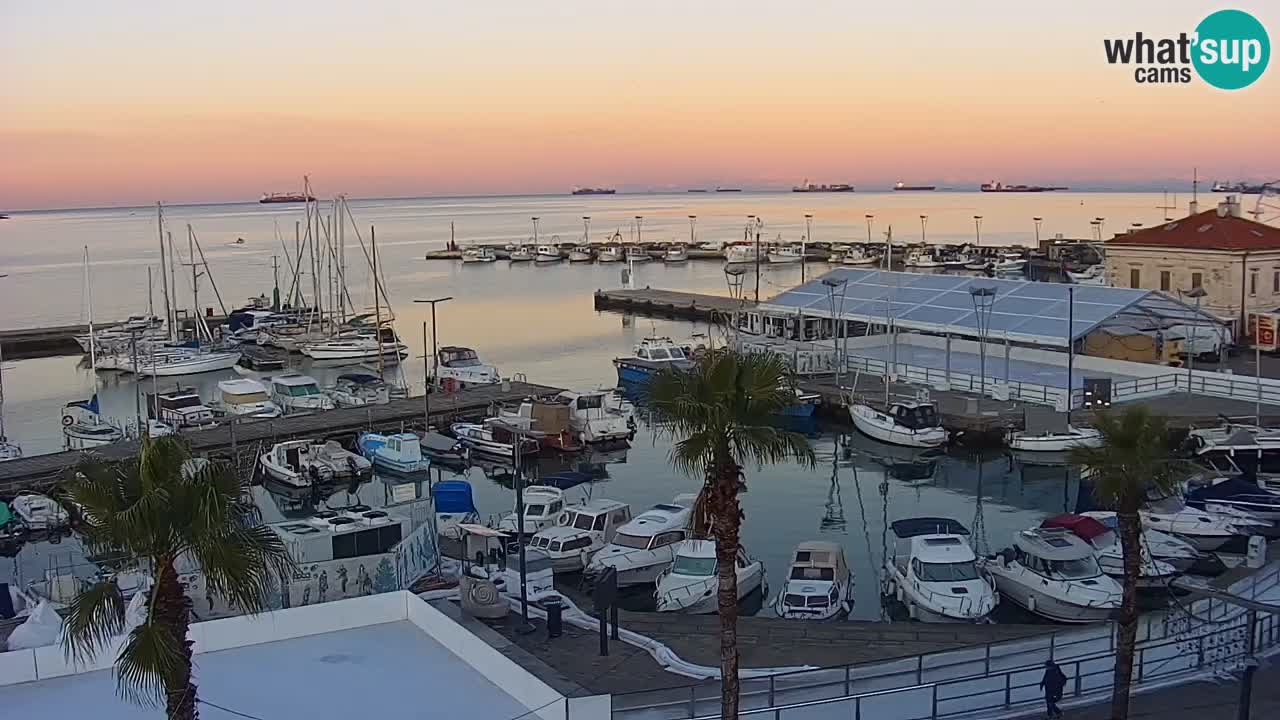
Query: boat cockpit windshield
[[1078, 569], [298, 390], [946, 572], [694, 566], [460, 358], [813, 573], [916, 418], [637, 542]]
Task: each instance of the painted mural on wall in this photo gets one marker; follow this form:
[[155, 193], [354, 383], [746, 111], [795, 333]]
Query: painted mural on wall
[[315, 583]]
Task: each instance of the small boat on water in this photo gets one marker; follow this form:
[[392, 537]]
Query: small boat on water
[[548, 254], [637, 254], [819, 585], [39, 512], [479, 255], [676, 254], [596, 416], [1092, 275], [83, 427], [691, 585], [302, 463], [1206, 531], [611, 253], [649, 357], [785, 255], [934, 572], [256, 360], [247, 397], [805, 404], [1166, 548], [910, 424], [740, 253], [491, 438], [1010, 263], [543, 508], [1055, 441], [923, 259], [180, 408], [857, 256], [978, 264], [359, 390], [645, 547], [295, 392], [1152, 573], [400, 452], [443, 449], [182, 361], [583, 531], [581, 254], [462, 367], [520, 254], [1054, 574]]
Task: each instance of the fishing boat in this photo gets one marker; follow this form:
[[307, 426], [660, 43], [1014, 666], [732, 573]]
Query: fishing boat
[[359, 390], [548, 254], [910, 424], [581, 254], [923, 259], [649, 357], [520, 254], [180, 408], [1152, 573], [637, 254], [596, 416], [543, 508], [1174, 551], [691, 584], [247, 397], [461, 366], [676, 254], [1054, 574], [479, 255], [83, 427], [819, 585], [1010, 263], [741, 253], [400, 452], [786, 255], [355, 346], [1045, 440], [295, 392], [39, 512], [857, 256], [611, 253], [934, 572], [490, 437], [582, 532], [645, 547], [302, 463]]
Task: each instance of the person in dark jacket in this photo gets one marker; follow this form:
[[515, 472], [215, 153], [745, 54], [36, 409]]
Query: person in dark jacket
[[1052, 683]]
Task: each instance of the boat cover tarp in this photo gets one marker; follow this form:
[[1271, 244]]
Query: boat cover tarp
[[565, 480], [1233, 488], [42, 628], [453, 496], [6, 516], [912, 527], [1040, 420], [1083, 526], [437, 442], [360, 378]]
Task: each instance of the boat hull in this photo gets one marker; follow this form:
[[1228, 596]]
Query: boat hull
[[212, 362], [1055, 442], [869, 423]]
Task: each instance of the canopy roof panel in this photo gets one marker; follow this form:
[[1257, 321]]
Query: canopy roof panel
[[1022, 310]]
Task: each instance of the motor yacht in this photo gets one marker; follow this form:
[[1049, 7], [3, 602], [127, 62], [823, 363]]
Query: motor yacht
[[180, 408], [645, 547], [461, 366], [492, 438], [1054, 574], [247, 397], [359, 390], [357, 345], [651, 356], [692, 582], [934, 572], [39, 512], [302, 463], [543, 508], [819, 585], [295, 392], [1165, 547], [742, 253], [479, 255], [399, 452], [911, 424], [1073, 436], [676, 254], [581, 533], [1152, 573], [596, 416]]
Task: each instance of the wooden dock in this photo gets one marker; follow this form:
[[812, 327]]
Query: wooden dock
[[42, 471], [650, 302], [58, 340]]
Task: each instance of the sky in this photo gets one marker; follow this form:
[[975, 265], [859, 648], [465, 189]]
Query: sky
[[133, 102]]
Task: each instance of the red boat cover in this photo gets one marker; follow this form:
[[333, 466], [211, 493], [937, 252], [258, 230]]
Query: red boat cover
[[1086, 528]]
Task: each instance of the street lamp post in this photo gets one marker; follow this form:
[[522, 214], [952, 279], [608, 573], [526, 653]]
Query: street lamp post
[[833, 284], [1037, 220], [924, 219], [977, 229], [733, 278], [535, 230], [984, 298], [808, 237], [429, 380], [693, 219], [1197, 293]]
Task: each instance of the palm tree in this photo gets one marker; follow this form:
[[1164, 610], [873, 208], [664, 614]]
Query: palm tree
[[1134, 459], [719, 413], [154, 510]]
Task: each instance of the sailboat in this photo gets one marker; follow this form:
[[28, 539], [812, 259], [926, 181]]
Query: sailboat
[[82, 424], [8, 450]]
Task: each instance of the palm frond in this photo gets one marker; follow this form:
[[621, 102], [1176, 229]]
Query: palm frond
[[152, 654], [1134, 459], [243, 564], [94, 618]]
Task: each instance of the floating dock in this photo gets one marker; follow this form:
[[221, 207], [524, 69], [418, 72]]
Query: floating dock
[[39, 472], [669, 303]]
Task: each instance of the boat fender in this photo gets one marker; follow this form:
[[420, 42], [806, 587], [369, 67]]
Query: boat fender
[[912, 612], [67, 420], [1031, 603], [563, 518]]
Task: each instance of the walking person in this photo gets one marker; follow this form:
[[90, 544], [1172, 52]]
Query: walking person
[[1052, 683]]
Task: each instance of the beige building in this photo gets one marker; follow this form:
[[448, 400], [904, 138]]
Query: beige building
[[1235, 260]]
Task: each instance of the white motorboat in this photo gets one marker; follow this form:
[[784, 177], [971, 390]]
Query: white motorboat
[[1206, 531], [543, 508], [547, 254], [1055, 441], [955, 260], [520, 254], [301, 463], [491, 438], [462, 367], [741, 253], [400, 452], [785, 255], [583, 531], [180, 408], [934, 572], [637, 254], [857, 256], [610, 254], [651, 356], [1234, 448], [910, 424], [1233, 493], [691, 585], [596, 416], [581, 254], [182, 361], [1010, 263], [83, 427], [1152, 573], [819, 585], [645, 547], [478, 255], [295, 392], [978, 264], [1162, 546], [358, 345], [676, 254], [359, 390], [39, 512], [922, 259], [1053, 573], [293, 335], [1092, 275]]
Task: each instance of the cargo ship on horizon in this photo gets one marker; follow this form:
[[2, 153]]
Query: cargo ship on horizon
[[807, 186], [593, 191], [1001, 187], [921, 188], [730, 189], [286, 198]]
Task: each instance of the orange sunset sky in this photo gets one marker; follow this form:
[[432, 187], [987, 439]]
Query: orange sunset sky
[[132, 102]]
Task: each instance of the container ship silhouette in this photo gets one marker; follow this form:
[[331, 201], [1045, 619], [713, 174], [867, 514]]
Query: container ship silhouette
[[1001, 187], [593, 191], [807, 186], [904, 186], [286, 198]]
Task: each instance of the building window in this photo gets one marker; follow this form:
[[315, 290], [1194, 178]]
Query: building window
[[1135, 278], [1195, 280], [1164, 280], [1253, 283]]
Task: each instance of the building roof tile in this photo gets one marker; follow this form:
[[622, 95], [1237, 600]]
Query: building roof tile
[[1205, 231]]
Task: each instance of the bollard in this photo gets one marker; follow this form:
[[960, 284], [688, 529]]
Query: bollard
[[555, 617]]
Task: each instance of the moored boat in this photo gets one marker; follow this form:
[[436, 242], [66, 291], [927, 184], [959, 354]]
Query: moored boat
[[399, 452], [645, 547], [910, 424], [1055, 441], [247, 397], [1152, 572], [649, 357], [478, 255], [581, 254], [461, 366], [491, 438], [819, 584], [676, 254], [302, 463], [295, 392], [583, 531], [1053, 573], [691, 584], [934, 572], [543, 508]]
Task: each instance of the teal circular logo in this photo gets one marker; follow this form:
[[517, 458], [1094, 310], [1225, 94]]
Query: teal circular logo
[[1232, 49]]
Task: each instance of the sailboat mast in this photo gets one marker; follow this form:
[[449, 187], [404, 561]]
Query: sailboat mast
[[164, 277], [195, 283], [1071, 349], [88, 290], [173, 282], [151, 297], [377, 304]]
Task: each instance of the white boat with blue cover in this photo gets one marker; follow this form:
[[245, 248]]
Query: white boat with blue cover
[[399, 452], [911, 424]]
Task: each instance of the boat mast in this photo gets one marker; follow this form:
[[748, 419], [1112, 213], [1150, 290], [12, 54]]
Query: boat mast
[[377, 304], [195, 283], [164, 278], [173, 282], [1071, 350], [88, 290], [151, 309]]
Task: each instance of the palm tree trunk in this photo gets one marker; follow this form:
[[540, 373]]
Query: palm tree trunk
[[173, 611], [727, 523], [1127, 630]]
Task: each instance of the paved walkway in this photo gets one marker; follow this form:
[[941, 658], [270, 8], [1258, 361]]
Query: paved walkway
[[1198, 701]]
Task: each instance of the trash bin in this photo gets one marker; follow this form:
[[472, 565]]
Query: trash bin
[[555, 616]]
